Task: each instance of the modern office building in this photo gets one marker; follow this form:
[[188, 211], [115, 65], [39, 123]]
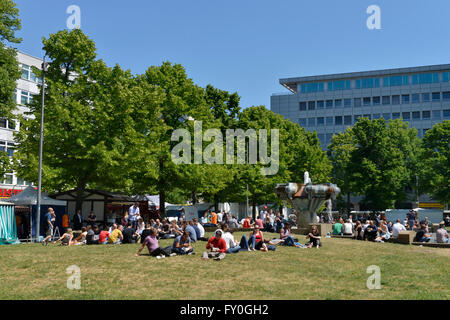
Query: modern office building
[[27, 86], [328, 104]]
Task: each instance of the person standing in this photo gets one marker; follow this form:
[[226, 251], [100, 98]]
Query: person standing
[[133, 214], [49, 224], [411, 216], [77, 220]]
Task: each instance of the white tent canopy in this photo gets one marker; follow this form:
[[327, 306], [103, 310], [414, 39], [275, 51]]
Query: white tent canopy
[[153, 200], [28, 197]]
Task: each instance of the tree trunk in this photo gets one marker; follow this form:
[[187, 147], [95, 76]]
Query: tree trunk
[[254, 207], [162, 191], [348, 203], [216, 204], [194, 198]]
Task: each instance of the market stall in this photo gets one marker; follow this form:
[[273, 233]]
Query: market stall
[[8, 229]]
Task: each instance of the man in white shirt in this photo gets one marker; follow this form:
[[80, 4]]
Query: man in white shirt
[[202, 230], [219, 216], [348, 227], [134, 214], [396, 228], [232, 246]]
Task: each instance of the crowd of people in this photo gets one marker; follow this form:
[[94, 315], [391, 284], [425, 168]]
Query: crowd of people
[[380, 230]]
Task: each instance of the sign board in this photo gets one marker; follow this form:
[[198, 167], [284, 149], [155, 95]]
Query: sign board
[[8, 193]]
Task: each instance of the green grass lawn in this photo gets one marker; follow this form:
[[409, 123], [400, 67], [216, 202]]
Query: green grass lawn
[[335, 271]]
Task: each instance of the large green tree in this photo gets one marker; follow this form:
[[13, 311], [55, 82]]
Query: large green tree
[[435, 161], [376, 160], [9, 67], [97, 121]]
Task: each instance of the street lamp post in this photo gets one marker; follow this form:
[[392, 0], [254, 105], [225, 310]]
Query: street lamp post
[[41, 144]]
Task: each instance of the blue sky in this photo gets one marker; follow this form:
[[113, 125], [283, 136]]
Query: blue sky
[[246, 45]]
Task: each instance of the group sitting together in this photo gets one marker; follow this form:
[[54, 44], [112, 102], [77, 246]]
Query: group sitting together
[[222, 242], [380, 230]]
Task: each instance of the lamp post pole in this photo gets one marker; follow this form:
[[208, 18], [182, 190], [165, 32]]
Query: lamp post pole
[[41, 144]]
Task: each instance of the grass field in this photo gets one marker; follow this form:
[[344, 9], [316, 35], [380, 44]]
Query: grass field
[[335, 271]]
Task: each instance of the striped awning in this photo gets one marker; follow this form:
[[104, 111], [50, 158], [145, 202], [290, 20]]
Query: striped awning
[[8, 229]]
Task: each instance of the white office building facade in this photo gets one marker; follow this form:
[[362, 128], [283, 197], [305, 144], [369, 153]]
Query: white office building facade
[[27, 87]]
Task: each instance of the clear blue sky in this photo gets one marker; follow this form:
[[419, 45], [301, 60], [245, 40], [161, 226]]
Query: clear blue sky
[[246, 45]]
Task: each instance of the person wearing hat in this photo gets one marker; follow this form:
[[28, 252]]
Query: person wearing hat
[[217, 245], [441, 233]]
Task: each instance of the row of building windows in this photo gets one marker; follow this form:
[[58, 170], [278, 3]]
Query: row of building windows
[[375, 101], [27, 74], [368, 83], [20, 182], [349, 119]]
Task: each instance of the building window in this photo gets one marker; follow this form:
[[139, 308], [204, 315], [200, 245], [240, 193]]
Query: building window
[[367, 101], [406, 115], [338, 103], [376, 101], [311, 105], [435, 77], [2, 123], [320, 104], [329, 121], [396, 99], [415, 97], [329, 104], [386, 82], [311, 122], [357, 102], [2, 146], [302, 106], [376, 116], [11, 125], [386, 100], [436, 96], [425, 97], [395, 115], [338, 120], [357, 84], [445, 76], [347, 120], [426, 115], [320, 121], [436, 114], [386, 116], [347, 103], [25, 97], [357, 117], [26, 70], [446, 95], [405, 98], [8, 179], [416, 115], [20, 182], [302, 122], [447, 114]]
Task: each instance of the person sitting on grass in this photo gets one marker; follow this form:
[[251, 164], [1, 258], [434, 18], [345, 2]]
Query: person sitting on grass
[[231, 245], [233, 223], [383, 231], [259, 222], [348, 228], [256, 240], [247, 223], [116, 235], [81, 239], [396, 228], [268, 226], [103, 237], [421, 235], [188, 227], [140, 226], [217, 246], [175, 230], [358, 231], [129, 236], [201, 230], [92, 235], [314, 238], [371, 231], [66, 238], [165, 231], [286, 235], [182, 244], [278, 223], [442, 234], [338, 228], [153, 246]]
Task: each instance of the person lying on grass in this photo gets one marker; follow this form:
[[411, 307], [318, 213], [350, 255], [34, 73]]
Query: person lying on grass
[[153, 246]]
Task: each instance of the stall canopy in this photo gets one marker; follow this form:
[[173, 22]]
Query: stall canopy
[[153, 201], [28, 197], [8, 229]]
